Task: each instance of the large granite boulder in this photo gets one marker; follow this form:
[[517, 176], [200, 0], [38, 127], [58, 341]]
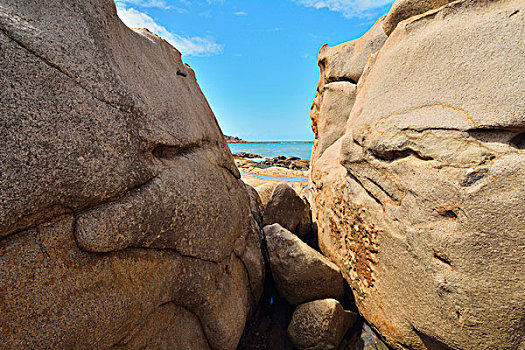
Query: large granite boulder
[[122, 215], [420, 202]]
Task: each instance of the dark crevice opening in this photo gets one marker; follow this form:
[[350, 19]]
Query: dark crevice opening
[[353, 177], [339, 79], [441, 258], [170, 152], [518, 141], [392, 155], [448, 213]]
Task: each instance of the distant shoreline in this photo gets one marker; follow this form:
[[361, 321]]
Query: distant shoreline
[[235, 139]]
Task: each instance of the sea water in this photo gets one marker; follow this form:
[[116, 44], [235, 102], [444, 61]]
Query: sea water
[[301, 149]]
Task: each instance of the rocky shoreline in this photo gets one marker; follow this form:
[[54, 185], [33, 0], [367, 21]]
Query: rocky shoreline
[[265, 175]]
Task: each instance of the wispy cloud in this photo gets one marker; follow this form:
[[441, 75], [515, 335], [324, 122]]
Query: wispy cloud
[[190, 46], [348, 8], [144, 3], [240, 13]]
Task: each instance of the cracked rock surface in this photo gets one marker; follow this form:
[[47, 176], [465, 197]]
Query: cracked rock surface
[[123, 219], [417, 175]]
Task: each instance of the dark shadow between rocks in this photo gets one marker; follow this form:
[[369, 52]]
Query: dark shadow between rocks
[[267, 329], [432, 343]]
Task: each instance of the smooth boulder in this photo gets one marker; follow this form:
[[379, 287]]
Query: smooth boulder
[[286, 208], [301, 273], [319, 325], [265, 191], [420, 202]]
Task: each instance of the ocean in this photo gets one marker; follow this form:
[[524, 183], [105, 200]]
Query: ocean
[[301, 149]]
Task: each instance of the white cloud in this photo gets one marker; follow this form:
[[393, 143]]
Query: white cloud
[[144, 3], [240, 13], [348, 8], [190, 46]]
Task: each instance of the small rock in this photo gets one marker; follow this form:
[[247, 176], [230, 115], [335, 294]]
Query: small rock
[[301, 273], [246, 155], [287, 162], [319, 324], [265, 191], [289, 210], [245, 163]]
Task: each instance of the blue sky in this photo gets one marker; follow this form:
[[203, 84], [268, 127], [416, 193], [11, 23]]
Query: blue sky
[[256, 60]]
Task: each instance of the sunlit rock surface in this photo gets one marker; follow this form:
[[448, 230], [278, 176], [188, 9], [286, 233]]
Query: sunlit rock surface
[[419, 199], [123, 218]]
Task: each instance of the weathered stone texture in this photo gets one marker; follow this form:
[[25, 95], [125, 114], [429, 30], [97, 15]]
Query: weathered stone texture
[[404, 9], [119, 200], [420, 202]]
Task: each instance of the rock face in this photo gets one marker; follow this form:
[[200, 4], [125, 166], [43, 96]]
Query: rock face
[[341, 66], [301, 273], [122, 216], [286, 208], [319, 325], [420, 201], [404, 9]]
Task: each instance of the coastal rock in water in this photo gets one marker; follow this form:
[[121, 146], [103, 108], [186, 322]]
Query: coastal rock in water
[[242, 163], [246, 155], [319, 325], [300, 272], [123, 215], [293, 163], [420, 203], [404, 9], [234, 139], [289, 210]]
